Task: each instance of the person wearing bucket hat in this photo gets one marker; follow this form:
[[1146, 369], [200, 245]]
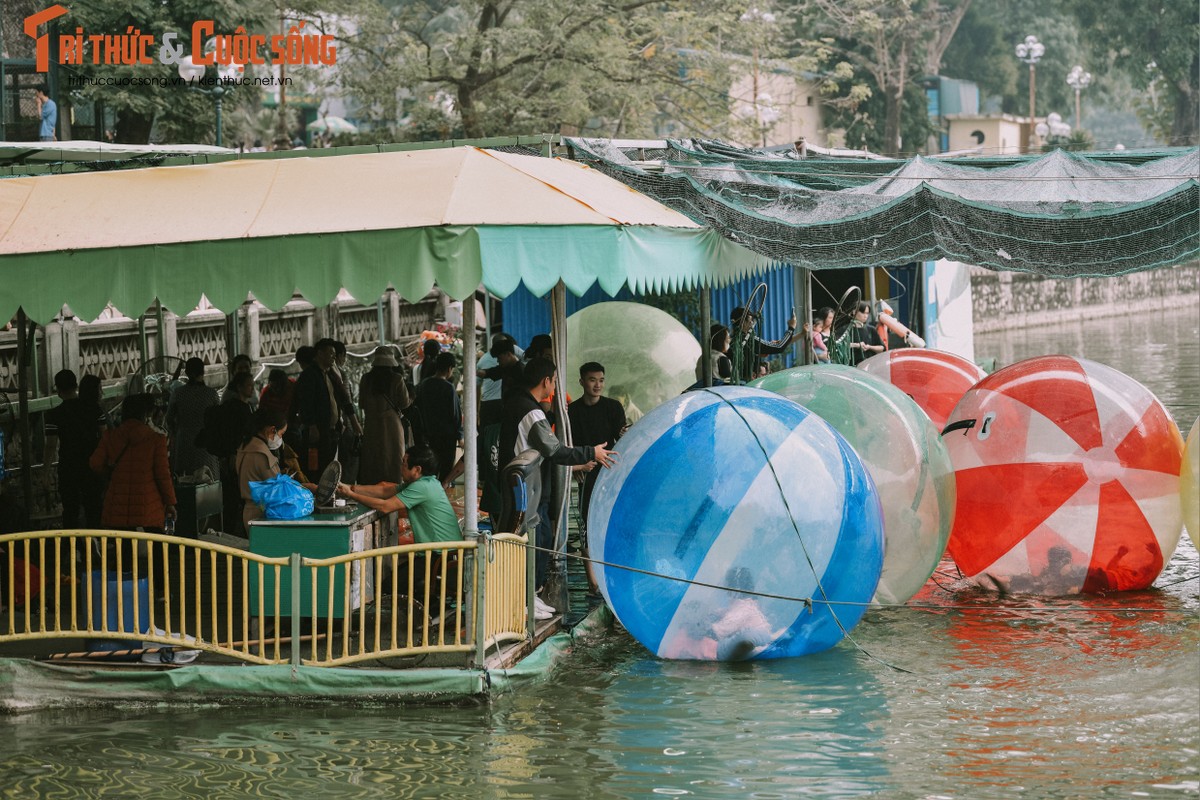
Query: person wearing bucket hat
[[385, 357], [382, 395]]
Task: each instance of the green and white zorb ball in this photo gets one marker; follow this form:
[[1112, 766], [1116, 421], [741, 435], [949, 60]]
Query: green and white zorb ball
[[648, 356]]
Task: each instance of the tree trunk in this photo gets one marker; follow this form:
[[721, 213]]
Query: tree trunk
[[472, 128], [891, 125], [1184, 129], [946, 25], [895, 103]]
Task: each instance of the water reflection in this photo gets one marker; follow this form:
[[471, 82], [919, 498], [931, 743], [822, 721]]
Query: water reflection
[[243, 753], [773, 729]]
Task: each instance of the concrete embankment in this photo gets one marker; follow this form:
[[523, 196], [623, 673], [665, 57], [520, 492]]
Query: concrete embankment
[[1007, 300]]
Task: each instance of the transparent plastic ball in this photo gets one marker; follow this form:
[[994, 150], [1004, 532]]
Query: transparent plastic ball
[[902, 451], [1189, 484], [648, 356], [934, 379], [723, 544]]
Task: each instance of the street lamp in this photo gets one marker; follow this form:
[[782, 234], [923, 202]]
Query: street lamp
[[1078, 80], [1031, 51], [192, 72]]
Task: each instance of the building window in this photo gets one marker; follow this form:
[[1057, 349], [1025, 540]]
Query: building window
[[808, 100], [977, 136]]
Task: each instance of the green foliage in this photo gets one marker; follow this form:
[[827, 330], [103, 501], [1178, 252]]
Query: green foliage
[[890, 44], [1078, 141], [177, 113], [984, 51], [1154, 43], [863, 120], [683, 306], [1116, 41], [599, 67]]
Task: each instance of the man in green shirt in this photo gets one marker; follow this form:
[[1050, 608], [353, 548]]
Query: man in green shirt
[[420, 497]]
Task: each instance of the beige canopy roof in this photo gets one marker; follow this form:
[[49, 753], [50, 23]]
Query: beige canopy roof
[[374, 191], [455, 216]]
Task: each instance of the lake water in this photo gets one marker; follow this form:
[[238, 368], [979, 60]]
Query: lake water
[[966, 697]]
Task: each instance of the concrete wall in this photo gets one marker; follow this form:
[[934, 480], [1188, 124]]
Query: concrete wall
[[797, 104], [1006, 300], [1002, 134]]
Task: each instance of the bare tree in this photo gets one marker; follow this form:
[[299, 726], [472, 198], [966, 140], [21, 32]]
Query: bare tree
[[888, 39]]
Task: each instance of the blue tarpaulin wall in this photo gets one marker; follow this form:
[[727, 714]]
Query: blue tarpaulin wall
[[524, 316]]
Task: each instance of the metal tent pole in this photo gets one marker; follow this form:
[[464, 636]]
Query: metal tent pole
[[803, 278], [470, 421], [562, 428], [23, 350], [706, 376], [471, 476]]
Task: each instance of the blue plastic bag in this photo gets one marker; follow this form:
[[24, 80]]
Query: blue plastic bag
[[282, 498]]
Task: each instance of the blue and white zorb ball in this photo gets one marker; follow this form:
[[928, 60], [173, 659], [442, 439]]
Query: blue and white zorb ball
[[745, 490]]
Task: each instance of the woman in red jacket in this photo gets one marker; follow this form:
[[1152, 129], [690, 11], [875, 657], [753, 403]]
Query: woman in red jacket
[[140, 493]]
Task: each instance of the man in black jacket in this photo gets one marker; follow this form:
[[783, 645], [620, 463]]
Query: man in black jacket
[[441, 414], [524, 426]]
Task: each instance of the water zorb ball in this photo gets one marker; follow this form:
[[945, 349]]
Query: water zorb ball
[[902, 451], [1068, 479], [934, 379], [1189, 484], [648, 355], [696, 496]]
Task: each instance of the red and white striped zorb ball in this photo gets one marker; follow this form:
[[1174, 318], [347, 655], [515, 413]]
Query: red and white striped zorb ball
[[1068, 479], [934, 379]]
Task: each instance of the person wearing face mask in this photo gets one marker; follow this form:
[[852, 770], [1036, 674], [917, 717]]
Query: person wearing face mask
[[255, 459]]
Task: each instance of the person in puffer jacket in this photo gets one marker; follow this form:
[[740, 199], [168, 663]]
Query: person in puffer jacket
[[523, 427], [140, 493]]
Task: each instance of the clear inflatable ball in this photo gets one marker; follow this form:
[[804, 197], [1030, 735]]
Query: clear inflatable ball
[[934, 379], [902, 451], [1189, 484], [713, 549], [648, 356]]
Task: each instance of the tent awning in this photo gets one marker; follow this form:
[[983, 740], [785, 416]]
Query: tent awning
[[457, 217]]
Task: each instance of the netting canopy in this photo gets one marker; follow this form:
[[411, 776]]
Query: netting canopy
[[1061, 214]]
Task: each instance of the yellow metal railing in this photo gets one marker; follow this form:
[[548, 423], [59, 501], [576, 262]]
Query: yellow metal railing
[[505, 588], [428, 608], [146, 590], [151, 593]]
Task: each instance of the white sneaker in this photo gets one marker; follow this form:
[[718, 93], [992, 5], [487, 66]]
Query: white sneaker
[[542, 610]]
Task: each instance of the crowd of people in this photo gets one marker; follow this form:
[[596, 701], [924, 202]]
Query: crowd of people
[[737, 350], [398, 445]]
